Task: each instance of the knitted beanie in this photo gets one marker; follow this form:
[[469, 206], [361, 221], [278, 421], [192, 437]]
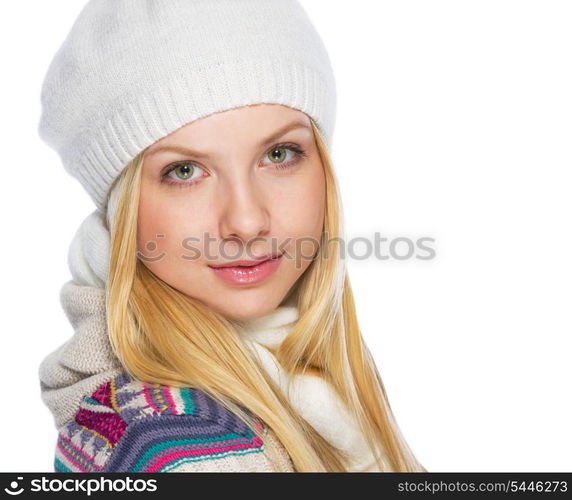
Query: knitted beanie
[[132, 71]]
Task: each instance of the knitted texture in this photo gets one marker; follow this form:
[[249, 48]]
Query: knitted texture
[[77, 367], [108, 421], [132, 71], [311, 396], [130, 426]]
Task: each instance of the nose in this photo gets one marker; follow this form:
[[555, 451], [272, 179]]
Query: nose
[[245, 213]]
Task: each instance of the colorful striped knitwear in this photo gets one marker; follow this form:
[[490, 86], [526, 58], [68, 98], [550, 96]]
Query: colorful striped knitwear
[[109, 422], [129, 426]]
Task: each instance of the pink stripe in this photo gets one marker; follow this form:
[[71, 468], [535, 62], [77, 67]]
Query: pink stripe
[[170, 400], [65, 453], [193, 445], [148, 397], [189, 446], [190, 452]]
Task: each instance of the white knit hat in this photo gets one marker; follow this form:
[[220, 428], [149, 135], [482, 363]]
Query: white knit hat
[[132, 71]]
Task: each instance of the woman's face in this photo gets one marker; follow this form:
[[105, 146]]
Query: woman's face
[[237, 185]]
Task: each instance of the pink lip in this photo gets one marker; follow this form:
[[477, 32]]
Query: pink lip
[[235, 263], [248, 275]]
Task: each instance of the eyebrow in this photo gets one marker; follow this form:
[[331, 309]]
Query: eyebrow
[[267, 141]]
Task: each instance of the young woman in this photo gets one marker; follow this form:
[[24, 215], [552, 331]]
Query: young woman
[[215, 327]]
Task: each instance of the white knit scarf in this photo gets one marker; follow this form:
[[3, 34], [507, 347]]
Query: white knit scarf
[[311, 396], [86, 360]]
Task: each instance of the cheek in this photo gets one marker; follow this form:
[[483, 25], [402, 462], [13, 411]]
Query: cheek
[[153, 239], [164, 222], [152, 219], [299, 210]]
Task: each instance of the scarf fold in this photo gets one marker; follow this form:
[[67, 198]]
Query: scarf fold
[[314, 398], [86, 360]]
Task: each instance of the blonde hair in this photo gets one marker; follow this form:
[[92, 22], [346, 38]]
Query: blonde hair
[[163, 336]]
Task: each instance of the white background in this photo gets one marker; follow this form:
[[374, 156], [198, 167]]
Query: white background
[[454, 122]]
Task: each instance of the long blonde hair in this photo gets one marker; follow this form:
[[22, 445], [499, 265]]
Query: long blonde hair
[[163, 336]]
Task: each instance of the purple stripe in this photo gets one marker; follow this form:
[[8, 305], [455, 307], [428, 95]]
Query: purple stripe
[[144, 433]]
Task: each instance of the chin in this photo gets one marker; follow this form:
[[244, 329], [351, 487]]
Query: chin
[[247, 309]]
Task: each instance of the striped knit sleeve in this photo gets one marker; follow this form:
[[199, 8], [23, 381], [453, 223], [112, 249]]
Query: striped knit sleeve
[[131, 426]]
